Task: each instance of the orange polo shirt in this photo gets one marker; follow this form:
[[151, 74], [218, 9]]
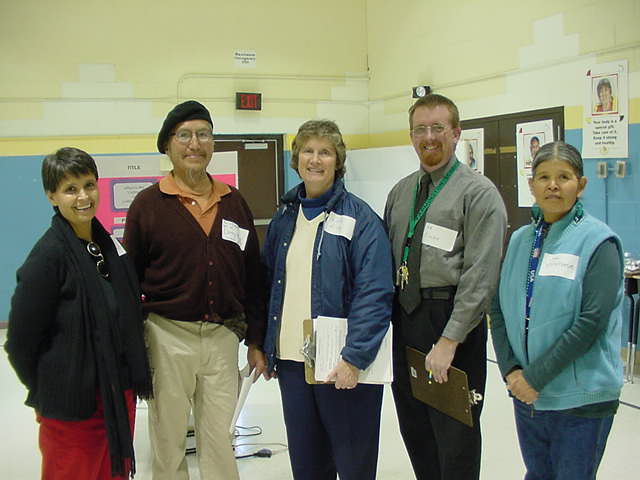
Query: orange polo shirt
[[204, 216]]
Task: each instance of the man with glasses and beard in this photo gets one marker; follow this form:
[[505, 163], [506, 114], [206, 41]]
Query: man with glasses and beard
[[446, 223], [194, 245]]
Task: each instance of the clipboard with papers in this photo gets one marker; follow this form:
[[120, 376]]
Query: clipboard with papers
[[324, 338], [452, 398]]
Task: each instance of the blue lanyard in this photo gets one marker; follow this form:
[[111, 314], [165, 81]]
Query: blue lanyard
[[536, 250]]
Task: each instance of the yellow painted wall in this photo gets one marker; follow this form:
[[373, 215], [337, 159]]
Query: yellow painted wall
[[154, 43], [95, 145], [104, 75], [494, 56], [81, 67], [431, 43], [444, 44]]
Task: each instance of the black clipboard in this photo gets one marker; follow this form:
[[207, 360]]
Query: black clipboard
[[451, 398]]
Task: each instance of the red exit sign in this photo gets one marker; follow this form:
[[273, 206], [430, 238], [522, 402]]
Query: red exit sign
[[248, 101]]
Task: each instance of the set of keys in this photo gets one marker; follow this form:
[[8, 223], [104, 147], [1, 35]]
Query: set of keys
[[402, 275]]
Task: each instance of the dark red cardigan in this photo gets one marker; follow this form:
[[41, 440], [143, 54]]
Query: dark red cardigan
[[187, 275]]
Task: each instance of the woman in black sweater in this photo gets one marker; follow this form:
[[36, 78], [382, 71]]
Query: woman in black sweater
[[75, 335]]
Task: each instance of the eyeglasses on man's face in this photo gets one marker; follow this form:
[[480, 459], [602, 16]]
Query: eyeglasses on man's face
[[435, 129], [185, 136]]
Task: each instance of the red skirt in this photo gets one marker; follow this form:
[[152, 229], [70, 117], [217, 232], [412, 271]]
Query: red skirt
[[79, 449]]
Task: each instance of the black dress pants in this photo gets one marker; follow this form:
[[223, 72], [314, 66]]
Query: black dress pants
[[440, 447]]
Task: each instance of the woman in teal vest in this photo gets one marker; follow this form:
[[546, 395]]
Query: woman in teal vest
[[556, 324]]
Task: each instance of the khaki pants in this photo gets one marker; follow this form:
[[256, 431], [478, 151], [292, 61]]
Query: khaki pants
[[195, 366]]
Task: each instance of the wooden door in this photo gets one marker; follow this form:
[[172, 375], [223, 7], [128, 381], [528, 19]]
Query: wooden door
[[500, 155], [260, 173]]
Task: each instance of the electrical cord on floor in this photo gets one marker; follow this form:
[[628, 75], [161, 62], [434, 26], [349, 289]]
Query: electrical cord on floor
[[263, 452], [256, 430]]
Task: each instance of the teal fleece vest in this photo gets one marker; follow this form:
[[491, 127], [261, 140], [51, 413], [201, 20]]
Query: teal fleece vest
[[597, 375]]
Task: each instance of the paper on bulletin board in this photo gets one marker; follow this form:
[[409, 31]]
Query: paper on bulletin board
[[224, 167], [470, 148], [530, 137], [121, 178], [606, 111]]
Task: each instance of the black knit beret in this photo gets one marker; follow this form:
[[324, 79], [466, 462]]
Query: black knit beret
[[189, 110]]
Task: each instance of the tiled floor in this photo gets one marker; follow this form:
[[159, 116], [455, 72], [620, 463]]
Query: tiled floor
[[20, 459]]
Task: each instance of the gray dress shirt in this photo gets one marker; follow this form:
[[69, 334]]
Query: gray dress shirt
[[471, 206]]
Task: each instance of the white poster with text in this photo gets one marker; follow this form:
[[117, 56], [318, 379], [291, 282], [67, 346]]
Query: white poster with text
[[470, 148], [530, 137], [606, 111]]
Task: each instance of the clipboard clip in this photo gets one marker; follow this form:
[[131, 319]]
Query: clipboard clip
[[474, 397], [308, 350]]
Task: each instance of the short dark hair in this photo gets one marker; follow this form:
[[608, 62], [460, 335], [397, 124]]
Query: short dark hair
[[559, 151], [64, 162], [434, 100], [534, 138], [604, 83], [320, 129]]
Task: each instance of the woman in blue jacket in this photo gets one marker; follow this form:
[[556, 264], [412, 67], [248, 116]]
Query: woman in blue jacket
[[556, 324], [327, 254]]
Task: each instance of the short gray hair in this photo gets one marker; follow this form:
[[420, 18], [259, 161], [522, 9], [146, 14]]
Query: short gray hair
[[559, 151]]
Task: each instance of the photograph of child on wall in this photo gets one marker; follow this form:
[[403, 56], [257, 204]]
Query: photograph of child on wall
[[605, 94], [533, 141]]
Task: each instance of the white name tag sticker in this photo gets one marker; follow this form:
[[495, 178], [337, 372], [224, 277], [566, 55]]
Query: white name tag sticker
[[439, 237], [342, 225], [233, 233], [562, 265], [119, 248]]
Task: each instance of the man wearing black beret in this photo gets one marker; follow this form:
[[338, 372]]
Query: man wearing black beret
[[195, 249]]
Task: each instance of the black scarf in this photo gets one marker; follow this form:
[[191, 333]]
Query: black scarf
[[111, 339]]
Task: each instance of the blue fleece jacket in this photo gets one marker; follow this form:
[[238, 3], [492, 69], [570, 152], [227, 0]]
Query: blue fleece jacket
[[594, 377]]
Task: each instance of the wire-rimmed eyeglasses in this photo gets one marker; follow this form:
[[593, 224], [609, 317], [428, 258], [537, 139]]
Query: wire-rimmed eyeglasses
[[435, 129], [185, 136], [95, 252]]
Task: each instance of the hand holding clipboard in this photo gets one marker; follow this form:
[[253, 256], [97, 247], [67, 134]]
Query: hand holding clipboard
[[452, 397]]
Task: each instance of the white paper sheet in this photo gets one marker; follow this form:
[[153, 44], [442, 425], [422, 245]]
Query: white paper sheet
[[234, 233], [342, 225], [563, 265], [605, 129], [439, 237], [246, 380], [331, 333]]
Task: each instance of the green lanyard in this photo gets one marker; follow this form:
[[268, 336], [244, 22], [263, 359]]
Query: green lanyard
[[414, 220]]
